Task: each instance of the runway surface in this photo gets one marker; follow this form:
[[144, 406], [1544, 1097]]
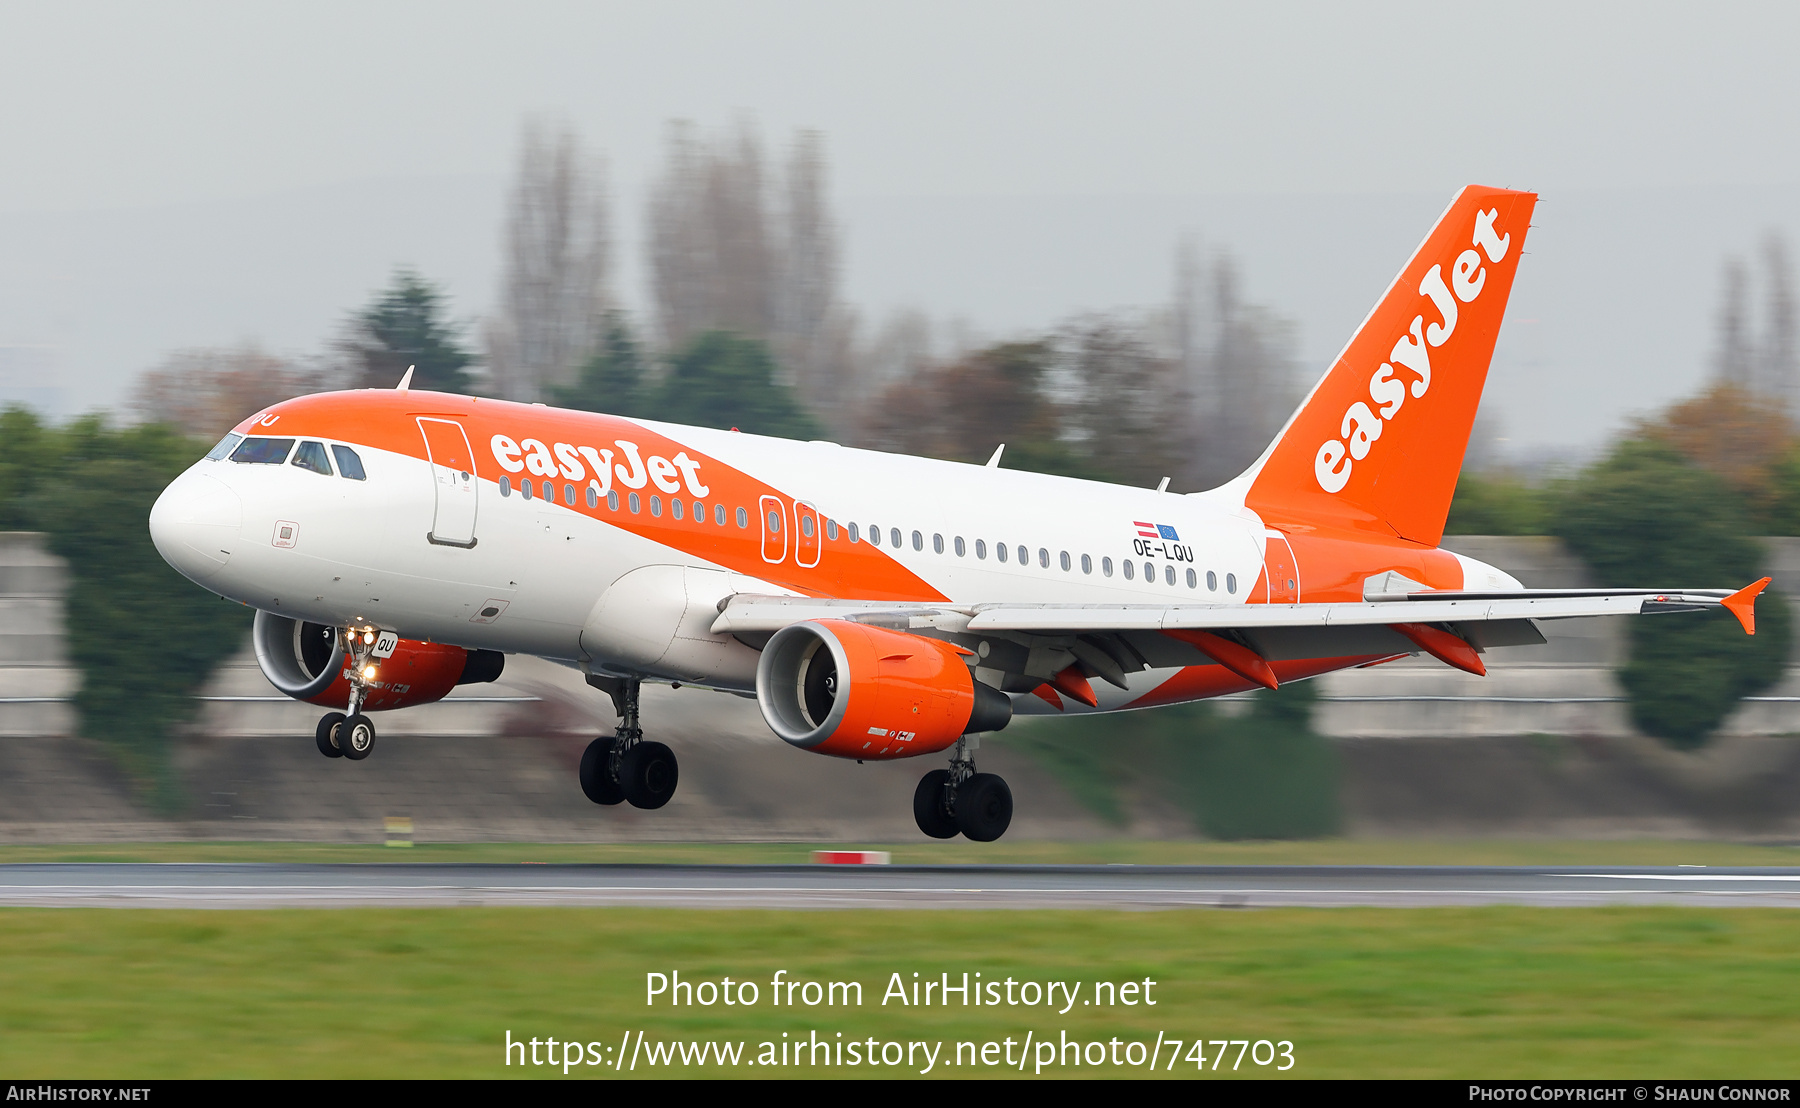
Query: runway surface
[[184, 885]]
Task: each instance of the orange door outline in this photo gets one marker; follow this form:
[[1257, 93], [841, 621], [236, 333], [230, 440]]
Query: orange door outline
[[806, 535], [1282, 574], [774, 529], [453, 475]]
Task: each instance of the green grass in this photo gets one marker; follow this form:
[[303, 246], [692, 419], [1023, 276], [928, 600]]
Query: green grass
[[1410, 852], [1489, 992]]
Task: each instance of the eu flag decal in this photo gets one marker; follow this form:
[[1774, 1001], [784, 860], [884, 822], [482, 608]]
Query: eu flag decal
[[1163, 530]]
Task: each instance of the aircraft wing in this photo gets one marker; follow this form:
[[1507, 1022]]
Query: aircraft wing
[[1114, 640], [743, 613]]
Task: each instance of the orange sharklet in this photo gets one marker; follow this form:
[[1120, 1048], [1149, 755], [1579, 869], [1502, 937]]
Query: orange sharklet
[[1742, 604]]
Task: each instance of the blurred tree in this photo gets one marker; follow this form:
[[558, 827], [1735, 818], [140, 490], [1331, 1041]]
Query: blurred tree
[[963, 410], [1735, 433], [1262, 775], [405, 326], [713, 260], [613, 380], [29, 452], [1124, 411], [206, 392], [144, 637], [725, 380], [1647, 516], [1759, 360], [1236, 367], [1498, 504], [1783, 516], [553, 297], [734, 248]]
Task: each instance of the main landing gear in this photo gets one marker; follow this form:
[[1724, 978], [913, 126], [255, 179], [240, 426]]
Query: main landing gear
[[622, 766], [959, 800], [351, 735]]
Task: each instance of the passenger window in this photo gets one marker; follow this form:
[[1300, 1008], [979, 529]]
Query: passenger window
[[223, 450], [1024, 556], [937, 543], [1130, 569], [1212, 581], [806, 526], [349, 463], [894, 537], [550, 491], [656, 506], [1106, 566], [1168, 575], [962, 548], [1065, 561], [981, 549], [1044, 558], [569, 495], [612, 500], [637, 504], [1000, 551], [506, 486], [853, 533], [1149, 574], [918, 541], [675, 508], [719, 514], [699, 512], [774, 523], [593, 497], [1231, 583], [1193, 579], [525, 489], [874, 535], [311, 455], [743, 516], [264, 452], [1087, 564], [831, 530]]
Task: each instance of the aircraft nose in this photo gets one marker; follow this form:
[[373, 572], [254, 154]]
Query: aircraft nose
[[194, 524]]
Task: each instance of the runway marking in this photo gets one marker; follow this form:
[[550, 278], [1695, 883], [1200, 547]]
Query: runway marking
[[1790, 877]]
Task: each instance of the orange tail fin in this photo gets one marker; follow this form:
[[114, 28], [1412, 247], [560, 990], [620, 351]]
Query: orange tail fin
[[1379, 443]]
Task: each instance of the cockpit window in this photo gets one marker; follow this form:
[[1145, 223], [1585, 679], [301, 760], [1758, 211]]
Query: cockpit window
[[224, 448], [348, 463], [269, 452], [311, 455]]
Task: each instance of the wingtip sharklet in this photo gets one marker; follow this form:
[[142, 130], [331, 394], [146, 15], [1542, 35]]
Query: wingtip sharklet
[[1742, 604]]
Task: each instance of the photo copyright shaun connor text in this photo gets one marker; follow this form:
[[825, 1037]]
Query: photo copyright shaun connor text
[[1027, 1050]]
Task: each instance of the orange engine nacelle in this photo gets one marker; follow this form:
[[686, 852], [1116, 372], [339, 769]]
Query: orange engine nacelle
[[307, 661], [854, 691]]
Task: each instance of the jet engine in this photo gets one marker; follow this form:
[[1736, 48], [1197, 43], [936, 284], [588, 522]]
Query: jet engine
[[308, 661], [854, 691]]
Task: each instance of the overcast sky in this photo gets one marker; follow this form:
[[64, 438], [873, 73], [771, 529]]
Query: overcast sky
[[169, 110]]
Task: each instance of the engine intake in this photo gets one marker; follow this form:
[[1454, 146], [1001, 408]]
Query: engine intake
[[854, 691], [307, 661]]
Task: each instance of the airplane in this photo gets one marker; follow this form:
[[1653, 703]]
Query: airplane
[[396, 543]]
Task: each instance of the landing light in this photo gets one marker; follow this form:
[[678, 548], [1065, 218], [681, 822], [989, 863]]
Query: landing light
[[368, 673]]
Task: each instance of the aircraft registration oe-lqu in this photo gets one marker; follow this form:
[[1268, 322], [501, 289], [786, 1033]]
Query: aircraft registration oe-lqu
[[397, 543]]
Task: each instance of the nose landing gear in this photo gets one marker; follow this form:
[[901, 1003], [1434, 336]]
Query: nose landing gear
[[959, 800], [351, 735], [622, 766]]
